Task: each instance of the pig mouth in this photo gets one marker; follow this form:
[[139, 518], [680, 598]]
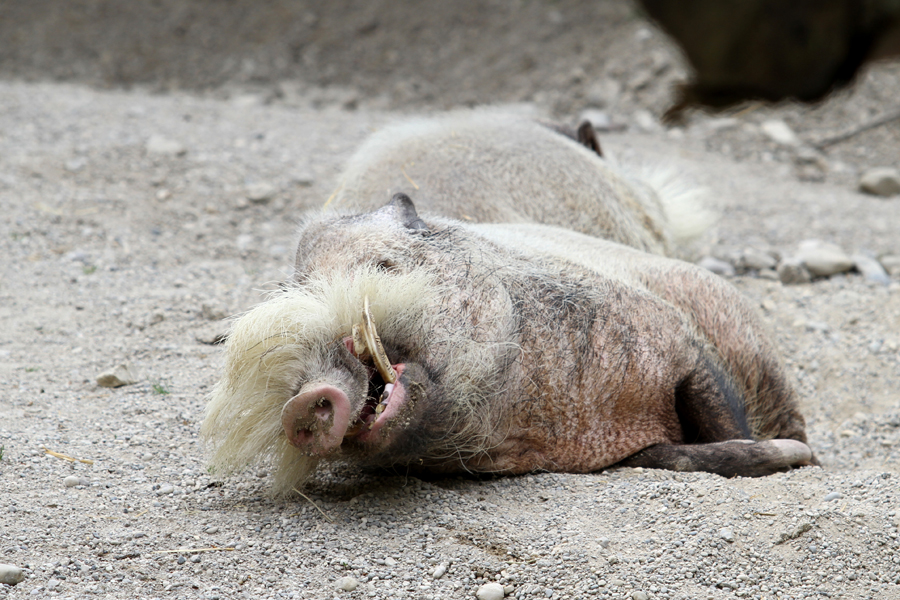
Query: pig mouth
[[319, 418], [383, 402]]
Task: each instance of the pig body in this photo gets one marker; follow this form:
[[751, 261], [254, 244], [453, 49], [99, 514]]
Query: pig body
[[510, 348]]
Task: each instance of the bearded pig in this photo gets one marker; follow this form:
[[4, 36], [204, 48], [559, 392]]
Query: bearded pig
[[431, 344]]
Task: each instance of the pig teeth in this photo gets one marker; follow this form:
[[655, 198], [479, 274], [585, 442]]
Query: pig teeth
[[373, 342]]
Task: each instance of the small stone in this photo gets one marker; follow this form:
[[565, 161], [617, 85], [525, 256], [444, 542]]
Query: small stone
[[823, 259], [780, 132], [195, 558], [891, 263], [719, 267], [727, 534], [612, 559], [123, 374], [758, 260], [870, 268], [163, 146], [347, 584], [603, 93], [181, 560], [213, 313], [439, 571], [211, 530], [616, 582], [490, 591], [165, 489], [880, 181], [833, 496], [261, 193], [72, 481], [11, 574], [792, 271], [640, 596]]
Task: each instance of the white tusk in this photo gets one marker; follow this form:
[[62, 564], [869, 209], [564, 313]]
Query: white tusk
[[379, 356]]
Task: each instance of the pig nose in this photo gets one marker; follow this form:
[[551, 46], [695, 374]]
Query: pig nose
[[317, 418]]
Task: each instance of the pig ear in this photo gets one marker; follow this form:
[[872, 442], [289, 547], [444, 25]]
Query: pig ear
[[588, 137], [406, 212]]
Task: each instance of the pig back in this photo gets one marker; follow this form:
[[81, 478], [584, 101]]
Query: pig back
[[486, 167]]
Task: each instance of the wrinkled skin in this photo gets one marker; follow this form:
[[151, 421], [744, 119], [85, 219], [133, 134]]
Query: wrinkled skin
[[587, 354]]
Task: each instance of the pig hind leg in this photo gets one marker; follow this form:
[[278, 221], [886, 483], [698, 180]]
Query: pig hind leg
[[744, 458], [717, 435]]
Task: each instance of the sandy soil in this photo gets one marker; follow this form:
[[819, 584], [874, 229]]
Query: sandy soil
[[129, 233]]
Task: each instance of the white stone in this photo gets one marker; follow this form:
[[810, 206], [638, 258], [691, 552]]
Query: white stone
[[260, 193], [870, 268], [780, 132], [347, 584], [163, 146], [11, 574], [439, 571], [891, 263], [490, 591], [123, 374], [727, 534], [822, 259], [71, 481], [880, 181]]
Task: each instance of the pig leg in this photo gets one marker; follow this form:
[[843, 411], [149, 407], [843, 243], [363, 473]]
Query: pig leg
[[744, 458], [717, 435]]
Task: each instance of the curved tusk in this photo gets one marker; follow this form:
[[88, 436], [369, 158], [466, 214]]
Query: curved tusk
[[379, 356]]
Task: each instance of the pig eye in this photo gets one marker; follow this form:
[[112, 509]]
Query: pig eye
[[386, 265]]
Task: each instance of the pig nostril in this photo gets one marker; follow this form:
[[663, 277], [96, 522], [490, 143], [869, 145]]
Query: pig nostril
[[323, 409]]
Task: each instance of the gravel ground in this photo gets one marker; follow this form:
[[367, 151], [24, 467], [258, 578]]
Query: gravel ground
[[133, 222]]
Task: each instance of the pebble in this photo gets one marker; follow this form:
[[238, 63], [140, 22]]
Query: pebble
[[833, 496], [880, 181], [891, 263], [758, 260], [11, 574], [348, 584], [603, 92], [439, 571], [719, 267], [163, 146], [211, 530], [791, 271], [196, 558], [727, 534], [123, 374], [640, 596], [261, 193], [780, 132], [72, 481], [871, 269], [166, 488], [490, 591], [823, 258]]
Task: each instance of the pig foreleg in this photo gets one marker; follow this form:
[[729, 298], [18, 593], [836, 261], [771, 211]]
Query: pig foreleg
[[745, 458]]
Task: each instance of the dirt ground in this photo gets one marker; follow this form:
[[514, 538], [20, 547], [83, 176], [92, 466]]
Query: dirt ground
[[154, 159]]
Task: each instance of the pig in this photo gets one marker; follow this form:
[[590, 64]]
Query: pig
[[490, 167], [432, 344]]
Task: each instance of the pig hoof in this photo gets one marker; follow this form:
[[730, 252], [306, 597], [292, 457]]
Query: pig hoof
[[316, 418]]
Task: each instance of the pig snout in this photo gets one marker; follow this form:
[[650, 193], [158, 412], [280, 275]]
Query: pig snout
[[317, 418]]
